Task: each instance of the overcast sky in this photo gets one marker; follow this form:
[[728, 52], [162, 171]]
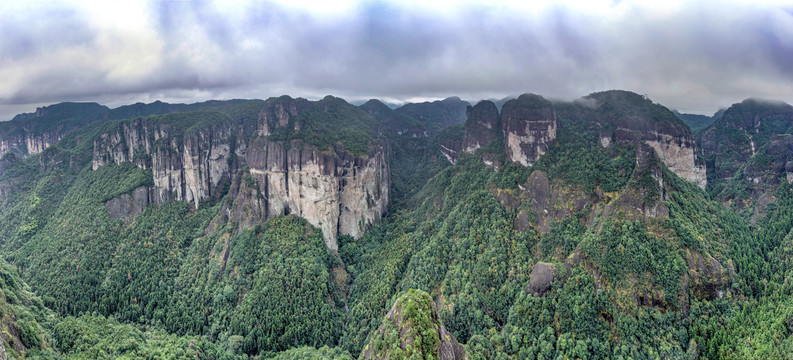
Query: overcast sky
[[692, 56]]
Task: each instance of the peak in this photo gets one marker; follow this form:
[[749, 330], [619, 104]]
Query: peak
[[422, 334], [375, 105], [618, 95], [754, 104], [529, 100]]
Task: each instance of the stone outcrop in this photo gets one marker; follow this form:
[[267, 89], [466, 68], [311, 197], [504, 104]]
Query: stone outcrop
[[673, 143], [526, 127], [481, 127], [529, 127], [549, 203], [27, 143], [741, 132], [31, 133], [185, 166], [706, 277], [542, 274], [332, 189], [337, 192], [128, 206], [406, 320], [675, 147]]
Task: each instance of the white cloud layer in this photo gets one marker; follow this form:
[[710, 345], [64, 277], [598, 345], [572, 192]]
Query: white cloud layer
[[693, 56]]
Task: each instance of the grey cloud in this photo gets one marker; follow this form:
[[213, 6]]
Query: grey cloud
[[702, 57]]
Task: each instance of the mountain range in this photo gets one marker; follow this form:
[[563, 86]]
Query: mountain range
[[522, 228]]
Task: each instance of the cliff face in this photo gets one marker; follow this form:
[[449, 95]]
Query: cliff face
[[626, 117], [482, 126], [529, 126], [29, 134], [336, 192], [332, 189], [27, 143], [674, 145], [740, 133], [526, 126], [187, 167]]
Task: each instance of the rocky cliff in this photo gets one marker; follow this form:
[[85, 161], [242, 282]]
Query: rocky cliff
[[334, 190], [627, 117], [413, 329], [31, 133], [482, 126], [525, 128], [740, 133], [529, 127]]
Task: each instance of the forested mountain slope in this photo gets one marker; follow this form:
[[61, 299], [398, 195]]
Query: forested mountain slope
[[288, 228]]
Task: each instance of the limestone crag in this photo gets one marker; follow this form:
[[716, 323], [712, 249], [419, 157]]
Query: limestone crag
[[332, 189], [741, 132], [626, 117], [277, 113], [482, 126], [674, 145], [128, 206], [529, 127], [336, 192], [451, 150], [189, 167], [31, 133], [526, 126], [25, 142]]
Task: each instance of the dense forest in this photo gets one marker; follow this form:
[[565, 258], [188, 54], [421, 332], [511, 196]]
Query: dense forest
[[599, 249]]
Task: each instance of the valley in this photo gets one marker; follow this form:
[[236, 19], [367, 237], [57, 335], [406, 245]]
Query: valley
[[527, 228]]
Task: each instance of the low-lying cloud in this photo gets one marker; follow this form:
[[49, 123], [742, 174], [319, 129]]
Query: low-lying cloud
[[696, 56]]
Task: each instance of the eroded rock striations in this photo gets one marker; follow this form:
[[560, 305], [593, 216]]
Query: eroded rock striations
[[627, 117], [32, 133], [529, 127], [481, 127], [741, 132], [332, 189]]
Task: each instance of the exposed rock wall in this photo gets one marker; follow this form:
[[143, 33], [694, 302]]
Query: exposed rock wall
[[482, 126], [529, 127], [25, 143], [128, 206], [189, 167], [675, 146], [338, 192], [335, 191]]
